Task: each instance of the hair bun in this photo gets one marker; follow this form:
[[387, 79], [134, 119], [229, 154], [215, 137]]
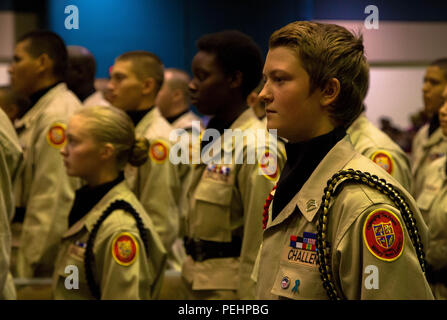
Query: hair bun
[[139, 152]]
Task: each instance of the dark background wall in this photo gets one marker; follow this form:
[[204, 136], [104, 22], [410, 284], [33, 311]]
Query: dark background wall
[[170, 28]]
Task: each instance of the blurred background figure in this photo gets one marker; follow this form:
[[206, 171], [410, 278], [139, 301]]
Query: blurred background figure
[[81, 76], [429, 142], [173, 99], [135, 80], [11, 158], [432, 202], [12, 103], [44, 192], [256, 103]]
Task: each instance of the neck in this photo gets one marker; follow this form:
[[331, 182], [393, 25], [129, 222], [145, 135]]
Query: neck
[[101, 177], [84, 91], [145, 103], [43, 83], [231, 112]]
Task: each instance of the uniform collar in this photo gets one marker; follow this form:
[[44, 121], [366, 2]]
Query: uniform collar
[[434, 139], [29, 117], [119, 191], [138, 115], [308, 199]]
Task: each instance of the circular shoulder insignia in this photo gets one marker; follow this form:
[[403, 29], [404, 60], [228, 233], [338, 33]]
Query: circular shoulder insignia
[[125, 249], [383, 235], [384, 160], [56, 135], [268, 165], [158, 151]]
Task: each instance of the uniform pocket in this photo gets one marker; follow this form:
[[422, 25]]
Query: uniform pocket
[[298, 276], [212, 211]]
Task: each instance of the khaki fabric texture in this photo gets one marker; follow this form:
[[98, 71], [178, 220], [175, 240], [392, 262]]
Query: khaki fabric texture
[[140, 280]]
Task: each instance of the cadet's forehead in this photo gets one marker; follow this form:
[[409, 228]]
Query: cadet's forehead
[[122, 66], [282, 58], [435, 72], [205, 59]]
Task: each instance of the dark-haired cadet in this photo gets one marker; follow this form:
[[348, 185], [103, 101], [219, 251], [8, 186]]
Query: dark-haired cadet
[[429, 143], [226, 197], [44, 192], [364, 240]]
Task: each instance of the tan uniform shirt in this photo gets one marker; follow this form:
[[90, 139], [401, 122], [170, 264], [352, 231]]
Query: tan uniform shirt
[[11, 158], [44, 187], [95, 99], [378, 146], [433, 204], [228, 201], [287, 269], [185, 121], [142, 276], [157, 183], [424, 151]]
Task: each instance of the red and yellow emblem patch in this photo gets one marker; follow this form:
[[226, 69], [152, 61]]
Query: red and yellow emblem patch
[[56, 135], [384, 160], [125, 249], [268, 166], [158, 151], [383, 235]]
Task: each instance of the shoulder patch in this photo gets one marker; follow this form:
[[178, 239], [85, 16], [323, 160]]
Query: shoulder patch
[[125, 249], [56, 135], [384, 160], [158, 151], [268, 165], [383, 235]]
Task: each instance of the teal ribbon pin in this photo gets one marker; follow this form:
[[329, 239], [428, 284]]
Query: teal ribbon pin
[[295, 288]]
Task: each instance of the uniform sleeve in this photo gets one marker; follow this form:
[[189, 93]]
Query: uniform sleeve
[[48, 205], [377, 259], [159, 193], [437, 249], [6, 205], [255, 184]]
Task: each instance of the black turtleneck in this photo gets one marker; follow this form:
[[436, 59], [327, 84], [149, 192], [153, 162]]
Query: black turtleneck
[[87, 197], [137, 115], [434, 124], [220, 126], [302, 159], [36, 97]]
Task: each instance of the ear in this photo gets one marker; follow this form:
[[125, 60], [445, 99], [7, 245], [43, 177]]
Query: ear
[[177, 95], [44, 62], [107, 151], [148, 86], [236, 79], [330, 92]]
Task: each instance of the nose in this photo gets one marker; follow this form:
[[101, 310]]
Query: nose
[[265, 95], [63, 151], [110, 85], [192, 85]]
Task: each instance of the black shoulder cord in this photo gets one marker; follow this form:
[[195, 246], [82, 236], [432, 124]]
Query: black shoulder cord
[[382, 186], [89, 258]]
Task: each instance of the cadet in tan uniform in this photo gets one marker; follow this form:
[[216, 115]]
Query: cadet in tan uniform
[[135, 80], [433, 204], [223, 232], [11, 158], [429, 143], [173, 102], [378, 146], [111, 240], [44, 192], [355, 244]]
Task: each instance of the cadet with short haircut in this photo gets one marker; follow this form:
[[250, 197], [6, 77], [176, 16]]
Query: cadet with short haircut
[[135, 80], [335, 224], [223, 230], [44, 192]]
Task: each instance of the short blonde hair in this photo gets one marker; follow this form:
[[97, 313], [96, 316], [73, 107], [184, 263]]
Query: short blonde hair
[[329, 51], [112, 125]]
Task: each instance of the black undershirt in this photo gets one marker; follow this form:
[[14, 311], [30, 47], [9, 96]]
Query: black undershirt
[[434, 124], [87, 197], [137, 115], [36, 97], [302, 160]]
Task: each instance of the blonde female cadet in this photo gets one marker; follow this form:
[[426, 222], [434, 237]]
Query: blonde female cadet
[[110, 250], [364, 238]]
